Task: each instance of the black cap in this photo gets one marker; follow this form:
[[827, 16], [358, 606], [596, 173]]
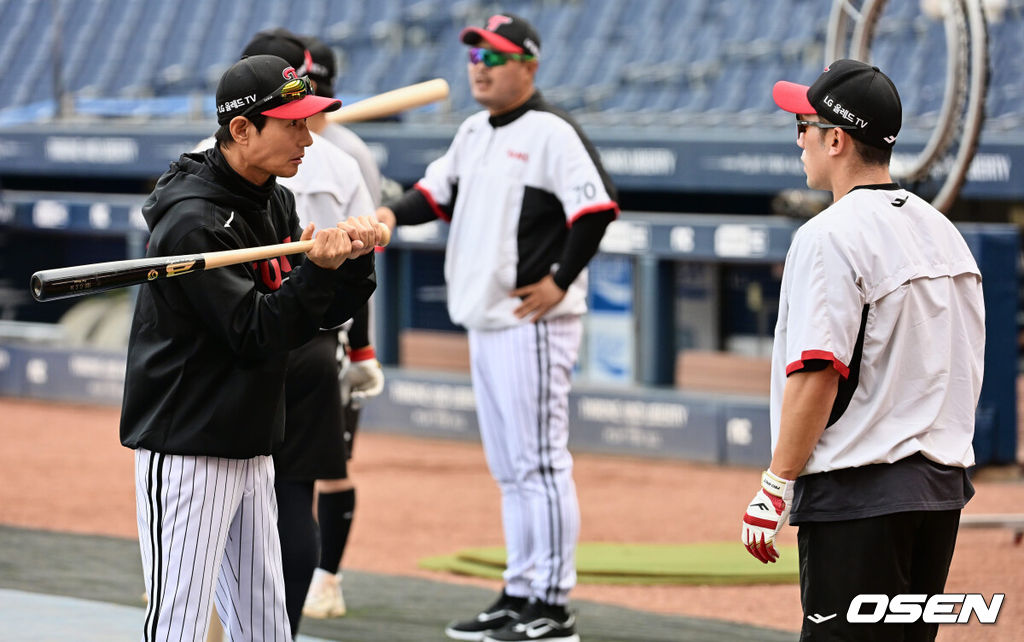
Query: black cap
[[270, 86], [282, 43], [849, 92], [324, 67], [504, 32]]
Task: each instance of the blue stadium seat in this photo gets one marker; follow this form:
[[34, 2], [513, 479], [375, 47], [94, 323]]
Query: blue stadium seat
[[692, 99], [32, 61], [381, 11], [133, 68], [149, 67], [81, 43], [354, 72], [122, 22], [690, 15], [20, 18], [692, 59], [307, 17], [346, 11], [728, 94], [81, 17]]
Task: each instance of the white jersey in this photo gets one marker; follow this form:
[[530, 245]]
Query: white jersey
[[520, 185], [883, 286], [328, 187], [349, 142]]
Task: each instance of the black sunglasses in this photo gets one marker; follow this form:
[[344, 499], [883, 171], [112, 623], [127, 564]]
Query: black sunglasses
[[801, 126]]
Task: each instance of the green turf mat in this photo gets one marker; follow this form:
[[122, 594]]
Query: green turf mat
[[609, 563]]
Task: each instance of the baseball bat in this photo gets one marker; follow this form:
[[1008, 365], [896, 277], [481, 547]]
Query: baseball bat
[[78, 280], [392, 102]]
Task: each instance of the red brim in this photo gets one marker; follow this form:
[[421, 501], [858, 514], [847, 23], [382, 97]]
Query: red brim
[[792, 97], [473, 35], [303, 108]]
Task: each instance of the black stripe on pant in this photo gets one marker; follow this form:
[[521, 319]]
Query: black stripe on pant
[[547, 472], [154, 488]]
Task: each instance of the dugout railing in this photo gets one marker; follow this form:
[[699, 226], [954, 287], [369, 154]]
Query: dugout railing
[[662, 283]]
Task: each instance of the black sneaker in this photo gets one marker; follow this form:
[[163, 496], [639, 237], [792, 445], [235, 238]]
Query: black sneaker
[[539, 621], [506, 609]]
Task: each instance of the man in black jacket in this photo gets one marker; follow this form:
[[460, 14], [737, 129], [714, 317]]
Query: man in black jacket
[[204, 393]]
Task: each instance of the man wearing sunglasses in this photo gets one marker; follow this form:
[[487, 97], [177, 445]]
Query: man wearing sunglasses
[[876, 371], [204, 392], [528, 203]]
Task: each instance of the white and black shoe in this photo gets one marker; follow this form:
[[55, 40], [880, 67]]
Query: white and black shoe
[[538, 621], [504, 610]]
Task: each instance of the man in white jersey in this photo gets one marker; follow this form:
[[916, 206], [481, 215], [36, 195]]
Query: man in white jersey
[[328, 188], [323, 71], [528, 203], [362, 377], [876, 370]]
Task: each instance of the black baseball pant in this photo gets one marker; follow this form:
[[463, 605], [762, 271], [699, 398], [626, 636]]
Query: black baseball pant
[[897, 553]]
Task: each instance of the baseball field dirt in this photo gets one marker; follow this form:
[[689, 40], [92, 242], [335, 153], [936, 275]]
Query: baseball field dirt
[[62, 469]]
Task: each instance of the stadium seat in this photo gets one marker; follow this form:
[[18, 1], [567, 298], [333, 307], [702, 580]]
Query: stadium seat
[[677, 56]]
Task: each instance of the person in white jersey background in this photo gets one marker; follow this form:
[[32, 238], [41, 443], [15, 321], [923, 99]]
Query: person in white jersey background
[[312, 462], [528, 203], [204, 396], [876, 370], [361, 375], [323, 71]]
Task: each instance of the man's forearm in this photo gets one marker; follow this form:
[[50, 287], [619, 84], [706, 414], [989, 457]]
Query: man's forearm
[[359, 333], [581, 245], [414, 208], [806, 404]]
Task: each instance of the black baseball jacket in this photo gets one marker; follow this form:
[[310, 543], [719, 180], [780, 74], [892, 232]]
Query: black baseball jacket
[[208, 351]]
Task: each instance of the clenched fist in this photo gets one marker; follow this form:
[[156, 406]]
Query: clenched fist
[[332, 246]]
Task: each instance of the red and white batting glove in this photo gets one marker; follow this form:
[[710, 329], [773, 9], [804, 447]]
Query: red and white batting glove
[[765, 516], [363, 378]]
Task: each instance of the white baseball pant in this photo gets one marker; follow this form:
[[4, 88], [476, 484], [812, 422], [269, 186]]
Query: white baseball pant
[[198, 515], [521, 379]]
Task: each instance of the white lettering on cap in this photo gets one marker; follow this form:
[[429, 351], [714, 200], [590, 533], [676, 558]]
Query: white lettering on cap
[[232, 105], [844, 112]]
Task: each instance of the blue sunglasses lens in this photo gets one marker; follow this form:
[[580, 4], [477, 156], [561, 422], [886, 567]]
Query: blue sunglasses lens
[[494, 58], [486, 56]]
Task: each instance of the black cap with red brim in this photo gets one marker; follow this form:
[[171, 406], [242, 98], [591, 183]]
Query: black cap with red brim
[[850, 93], [267, 85], [504, 32]]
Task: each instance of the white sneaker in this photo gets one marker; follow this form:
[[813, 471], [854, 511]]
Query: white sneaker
[[324, 599]]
